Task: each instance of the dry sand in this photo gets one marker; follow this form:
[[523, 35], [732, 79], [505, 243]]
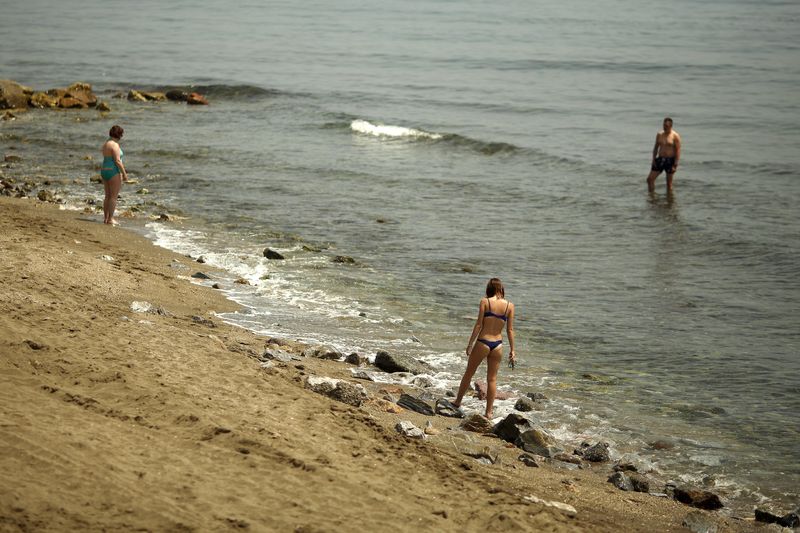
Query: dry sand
[[161, 423]]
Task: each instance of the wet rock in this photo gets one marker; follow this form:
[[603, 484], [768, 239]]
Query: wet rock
[[621, 481], [408, 429], [200, 275], [791, 520], [196, 99], [42, 100], [481, 388], [46, 196], [640, 483], [11, 158], [104, 107], [273, 255], [8, 116], [697, 522], [423, 382], [323, 352], [415, 404], [344, 259], [597, 453], [12, 95], [662, 444], [536, 396], [536, 440], [401, 363], [176, 95], [216, 286], [340, 390], [363, 374], [444, 407], [355, 359], [164, 217], [699, 498], [512, 426], [476, 423], [136, 96], [529, 460], [241, 281], [524, 405], [625, 467], [201, 259]]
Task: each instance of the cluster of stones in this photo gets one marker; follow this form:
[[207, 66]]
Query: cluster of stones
[[14, 96]]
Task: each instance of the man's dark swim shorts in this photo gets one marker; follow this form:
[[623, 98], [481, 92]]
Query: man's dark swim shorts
[[663, 164]]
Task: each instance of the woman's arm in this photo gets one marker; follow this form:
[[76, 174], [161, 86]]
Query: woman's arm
[[476, 329], [118, 161], [510, 331]]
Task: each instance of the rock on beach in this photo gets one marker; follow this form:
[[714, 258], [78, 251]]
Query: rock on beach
[[401, 363]]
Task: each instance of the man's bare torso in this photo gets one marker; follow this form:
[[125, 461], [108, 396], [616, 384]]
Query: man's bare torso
[[667, 142]]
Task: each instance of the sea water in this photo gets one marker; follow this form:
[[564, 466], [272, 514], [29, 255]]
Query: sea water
[[441, 143]]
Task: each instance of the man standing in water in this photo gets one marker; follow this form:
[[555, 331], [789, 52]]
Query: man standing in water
[[666, 154]]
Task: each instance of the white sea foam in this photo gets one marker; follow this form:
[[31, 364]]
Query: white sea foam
[[380, 130]]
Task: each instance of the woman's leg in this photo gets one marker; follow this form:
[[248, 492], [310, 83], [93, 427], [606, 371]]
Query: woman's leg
[[107, 188], [492, 366], [479, 352], [114, 185]]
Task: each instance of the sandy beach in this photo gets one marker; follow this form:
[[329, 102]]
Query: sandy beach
[[112, 419]]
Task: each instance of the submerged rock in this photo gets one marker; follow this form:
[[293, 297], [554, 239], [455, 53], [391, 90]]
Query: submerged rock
[[401, 363], [524, 405], [273, 255]]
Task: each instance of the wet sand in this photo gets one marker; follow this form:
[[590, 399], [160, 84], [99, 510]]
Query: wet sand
[[116, 420]]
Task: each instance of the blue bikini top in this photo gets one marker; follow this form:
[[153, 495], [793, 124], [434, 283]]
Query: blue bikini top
[[489, 312]]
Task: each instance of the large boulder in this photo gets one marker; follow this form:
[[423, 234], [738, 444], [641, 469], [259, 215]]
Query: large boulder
[[401, 363], [12, 95], [512, 426]]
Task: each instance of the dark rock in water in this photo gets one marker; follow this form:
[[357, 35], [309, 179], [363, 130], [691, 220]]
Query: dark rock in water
[[512, 426], [415, 404], [409, 430], [104, 107], [529, 460], [536, 440], [11, 158], [241, 281], [196, 99], [8, 115], [788, 520], [536, 396], [597, 453], [272, 254], [699, 498], [662, 444], [355, 359], [340, 390], [401, 363], [200, 275], [201, 259], [216, 286], [345, 259], [524, 405], [481, 388], [621, 481], [697, 522], [176, 95], [476, 423], [444, 407]]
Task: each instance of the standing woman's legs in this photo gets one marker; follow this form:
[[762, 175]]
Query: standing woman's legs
[[114, 185], [479, 351], [107, 189], [493, 365]]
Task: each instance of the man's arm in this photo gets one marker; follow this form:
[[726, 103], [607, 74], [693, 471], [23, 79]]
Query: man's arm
[[677, 151], [655, 146]]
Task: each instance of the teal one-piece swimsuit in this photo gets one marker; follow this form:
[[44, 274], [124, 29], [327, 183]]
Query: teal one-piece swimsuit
[[109, 168]]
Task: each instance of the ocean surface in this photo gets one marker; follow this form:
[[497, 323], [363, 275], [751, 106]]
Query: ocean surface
[[440, 143]]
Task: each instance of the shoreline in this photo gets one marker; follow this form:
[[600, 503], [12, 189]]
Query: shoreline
[[163, 421]]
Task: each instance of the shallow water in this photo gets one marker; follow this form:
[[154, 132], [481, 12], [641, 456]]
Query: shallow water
[[440, 144]]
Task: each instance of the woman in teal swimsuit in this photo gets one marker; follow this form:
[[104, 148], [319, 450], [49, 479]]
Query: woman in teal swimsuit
[[113, 173], [488, 332]]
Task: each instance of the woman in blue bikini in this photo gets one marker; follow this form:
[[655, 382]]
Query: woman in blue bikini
[[113, 173], [488, 331]]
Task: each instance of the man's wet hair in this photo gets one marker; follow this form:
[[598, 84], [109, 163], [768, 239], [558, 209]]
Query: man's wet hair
[[670, 120]]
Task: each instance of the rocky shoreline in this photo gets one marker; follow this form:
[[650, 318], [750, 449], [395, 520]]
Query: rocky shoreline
[[395, 393]]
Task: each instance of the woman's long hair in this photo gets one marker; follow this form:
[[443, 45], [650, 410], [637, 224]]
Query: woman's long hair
[[495, 287]]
